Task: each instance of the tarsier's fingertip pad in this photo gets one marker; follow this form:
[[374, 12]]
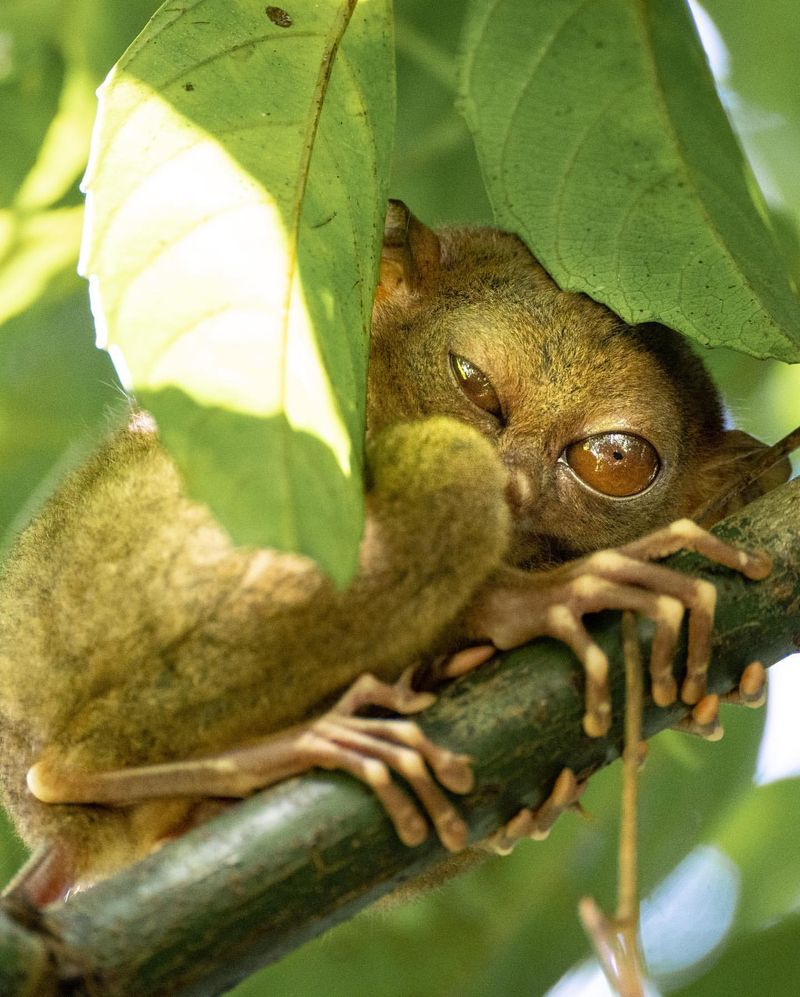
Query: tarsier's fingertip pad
[[596, 724], [753, 685], [757, 565], [455, 773], [454, 835], [693, 690], [706, 712], [412, 830], [664, 691], [703, 721]]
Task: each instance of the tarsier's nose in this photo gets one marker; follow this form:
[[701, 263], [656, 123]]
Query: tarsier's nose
[[521, 493]]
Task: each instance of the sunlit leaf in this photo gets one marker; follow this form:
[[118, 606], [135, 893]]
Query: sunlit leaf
[[236, 192], [603, 144], [33, 250]]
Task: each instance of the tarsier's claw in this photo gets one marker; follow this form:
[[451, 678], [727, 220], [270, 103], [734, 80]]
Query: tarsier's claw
[[538, 823]]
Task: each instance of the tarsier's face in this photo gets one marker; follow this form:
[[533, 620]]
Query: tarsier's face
[[586, 412]]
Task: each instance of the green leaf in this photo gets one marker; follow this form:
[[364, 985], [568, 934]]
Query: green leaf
[[236, 192], [603, 144], [760, 836], [761, 962], [31, 72], [58, 397]]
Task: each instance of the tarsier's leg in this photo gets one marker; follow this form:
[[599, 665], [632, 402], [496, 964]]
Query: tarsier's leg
[[552, 603], [369, 749]]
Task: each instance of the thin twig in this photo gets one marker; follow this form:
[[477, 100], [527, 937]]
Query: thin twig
[[763, 462]]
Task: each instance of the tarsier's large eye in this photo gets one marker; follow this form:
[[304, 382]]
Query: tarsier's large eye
[[476, 385], [616, 464]]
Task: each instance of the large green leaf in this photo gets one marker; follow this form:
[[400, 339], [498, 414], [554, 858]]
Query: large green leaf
[[761, 962], [761, 836], [603, 144], [236, 192]]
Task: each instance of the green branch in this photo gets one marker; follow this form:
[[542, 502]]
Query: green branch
[[286, 865]]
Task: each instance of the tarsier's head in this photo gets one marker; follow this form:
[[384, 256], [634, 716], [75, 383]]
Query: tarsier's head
[[608, 430]]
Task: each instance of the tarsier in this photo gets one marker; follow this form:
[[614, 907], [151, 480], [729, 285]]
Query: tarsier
[[149, 668]]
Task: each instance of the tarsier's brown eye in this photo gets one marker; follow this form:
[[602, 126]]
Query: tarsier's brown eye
[[616, 464], [476, 385]]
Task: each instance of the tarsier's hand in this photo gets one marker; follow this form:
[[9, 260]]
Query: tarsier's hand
[[552, 603]]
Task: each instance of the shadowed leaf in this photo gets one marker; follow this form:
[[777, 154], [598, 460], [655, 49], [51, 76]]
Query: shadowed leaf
[[624, 177]]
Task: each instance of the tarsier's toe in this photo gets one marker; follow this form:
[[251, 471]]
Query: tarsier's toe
[[752, 689], [703, 721], [538, 823]]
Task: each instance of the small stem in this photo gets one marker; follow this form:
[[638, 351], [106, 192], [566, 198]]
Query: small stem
[[616, 939], [628, 896]]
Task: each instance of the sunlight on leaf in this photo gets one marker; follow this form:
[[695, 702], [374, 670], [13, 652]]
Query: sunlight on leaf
[[604, 145], [235, 191], [62, 155], [32, 251]]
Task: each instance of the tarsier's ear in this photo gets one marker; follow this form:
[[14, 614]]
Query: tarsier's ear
[[411, 255], [728, 464]]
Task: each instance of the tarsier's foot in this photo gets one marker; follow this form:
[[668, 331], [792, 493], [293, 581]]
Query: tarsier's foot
[[372, 750], [552, 603], [537, 824]]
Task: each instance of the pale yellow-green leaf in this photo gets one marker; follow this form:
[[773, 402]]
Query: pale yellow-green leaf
[[235, 192]]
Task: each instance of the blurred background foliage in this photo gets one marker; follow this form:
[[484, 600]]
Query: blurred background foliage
[[720, 855]]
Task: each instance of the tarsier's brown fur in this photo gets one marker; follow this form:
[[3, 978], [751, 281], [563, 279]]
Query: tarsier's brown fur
[[133, 632]]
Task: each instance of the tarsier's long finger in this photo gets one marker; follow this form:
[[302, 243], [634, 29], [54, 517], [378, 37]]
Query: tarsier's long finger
[[453, 770], [408, 763], [467, 660], [684, 534], [369, 691], [665, 611], [565, 626], [699, 596], [410, 825]]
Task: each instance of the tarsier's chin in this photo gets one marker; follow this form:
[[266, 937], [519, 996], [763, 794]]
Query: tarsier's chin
[[148, 666]]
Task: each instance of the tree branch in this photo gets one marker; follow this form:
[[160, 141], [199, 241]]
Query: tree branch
[[286, 865]]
